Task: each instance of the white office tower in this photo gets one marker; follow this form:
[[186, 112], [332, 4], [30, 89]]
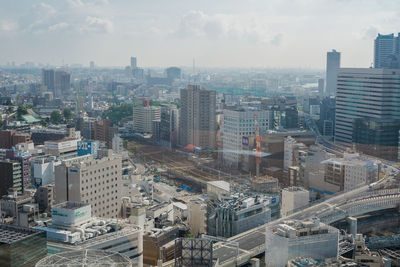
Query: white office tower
[[365, 93], [238, 127], [332, 65], [386, 48], [143, 118], [93, 181], [197, 123], [295, 238], [117, 144], [293, 198]]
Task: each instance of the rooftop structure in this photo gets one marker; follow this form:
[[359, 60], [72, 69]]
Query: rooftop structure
[[85, 258], [236, 214], [216, 189], [294, 238], [10, 234], [21, 246]]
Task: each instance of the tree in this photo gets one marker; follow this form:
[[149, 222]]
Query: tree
[[55, 117], [22, 110], [67, 114]]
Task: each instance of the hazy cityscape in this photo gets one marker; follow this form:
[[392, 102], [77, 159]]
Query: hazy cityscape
[[184, 134]]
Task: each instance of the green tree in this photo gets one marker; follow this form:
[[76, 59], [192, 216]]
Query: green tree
[[22, 110], [67, 114], [55, 117], [117, 113]]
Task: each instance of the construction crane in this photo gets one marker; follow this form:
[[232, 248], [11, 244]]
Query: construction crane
[[258, 145]]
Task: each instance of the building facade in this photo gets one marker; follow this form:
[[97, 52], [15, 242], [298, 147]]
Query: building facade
[[332, 65], [11, 177], [239, 125], [93, 181], [386, 50], [143, 116], [197, 123], [365, 93]]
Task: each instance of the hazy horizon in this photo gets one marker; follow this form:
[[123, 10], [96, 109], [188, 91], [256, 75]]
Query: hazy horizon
[[224, 34]]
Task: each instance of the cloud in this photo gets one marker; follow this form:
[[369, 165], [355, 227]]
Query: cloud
[[58, 27], [97, 25], [197, 24], [80, 17], [8, 26]]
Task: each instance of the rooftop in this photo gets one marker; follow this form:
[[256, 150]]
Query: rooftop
[[221, 184], [86, 258], [69, 205], [10, 234]]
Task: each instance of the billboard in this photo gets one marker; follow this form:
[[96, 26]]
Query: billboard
[[88, 147], [245, 141], [193, 252]]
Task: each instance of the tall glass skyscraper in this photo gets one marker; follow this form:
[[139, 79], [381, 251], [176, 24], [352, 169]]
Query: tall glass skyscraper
[[332, 65], [365, 93], [386, 51]]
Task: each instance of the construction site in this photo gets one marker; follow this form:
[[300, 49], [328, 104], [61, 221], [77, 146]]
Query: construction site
[[181, 166]]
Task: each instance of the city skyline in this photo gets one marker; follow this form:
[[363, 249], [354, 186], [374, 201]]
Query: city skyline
[[284, 34]]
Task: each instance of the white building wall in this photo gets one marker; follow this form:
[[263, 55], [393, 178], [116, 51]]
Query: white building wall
[[239, 124], [293, 198]]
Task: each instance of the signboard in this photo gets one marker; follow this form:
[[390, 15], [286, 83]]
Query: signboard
[[88, 147], [245, 141]]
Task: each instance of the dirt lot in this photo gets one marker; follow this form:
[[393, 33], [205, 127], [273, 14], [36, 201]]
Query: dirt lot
[[175, 162]]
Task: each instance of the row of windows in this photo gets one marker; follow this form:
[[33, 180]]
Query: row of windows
[[112, 179]]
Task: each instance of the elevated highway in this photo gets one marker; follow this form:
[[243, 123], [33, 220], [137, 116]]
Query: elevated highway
[[362, 200]]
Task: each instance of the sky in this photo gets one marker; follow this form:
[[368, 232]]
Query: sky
[[217, 33]]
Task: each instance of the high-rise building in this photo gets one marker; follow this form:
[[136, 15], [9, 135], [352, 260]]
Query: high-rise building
[[62, 83], [48, 79], [364, 93], [197, 123], [169, 125], [133, 63], [332, 65], [93, 181], [143, 116], [327, 116], [377, 137], [239, 125], [386, 51], [321, 87], [11, 177]]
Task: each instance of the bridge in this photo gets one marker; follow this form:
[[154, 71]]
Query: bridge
[[356, 202]]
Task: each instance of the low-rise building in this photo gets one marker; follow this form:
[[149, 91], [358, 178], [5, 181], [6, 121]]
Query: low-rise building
[[236, 215], [293, 198], [218, 189], [73, 228], [293, 239]]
